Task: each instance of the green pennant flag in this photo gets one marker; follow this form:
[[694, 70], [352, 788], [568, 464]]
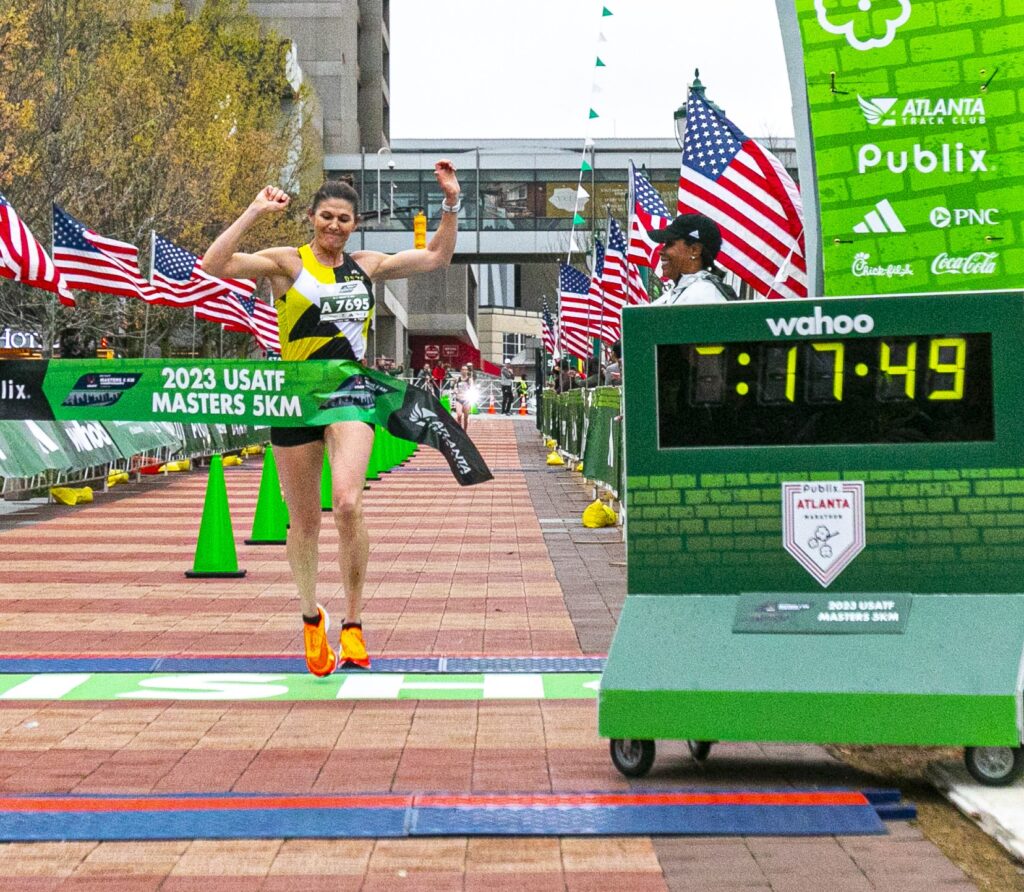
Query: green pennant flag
[[605, 11], [593, 114], [585, 167], [599, 63], [578, 219]]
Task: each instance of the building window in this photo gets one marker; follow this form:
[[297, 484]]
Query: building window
[[512, 345], [497, 284]]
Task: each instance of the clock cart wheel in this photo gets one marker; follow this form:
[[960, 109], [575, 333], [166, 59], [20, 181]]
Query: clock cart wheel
[[699, 749], [633, 758], [994, 766]]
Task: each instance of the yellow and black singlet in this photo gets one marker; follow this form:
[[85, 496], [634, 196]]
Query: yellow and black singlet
[[327, 313]]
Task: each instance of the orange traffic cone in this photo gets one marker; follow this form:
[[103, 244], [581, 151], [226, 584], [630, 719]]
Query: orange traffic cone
[[522, 406], [490, 410]]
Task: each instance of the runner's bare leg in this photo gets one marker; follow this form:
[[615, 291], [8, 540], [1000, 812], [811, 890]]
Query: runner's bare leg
[[299, 469], [349, 444]]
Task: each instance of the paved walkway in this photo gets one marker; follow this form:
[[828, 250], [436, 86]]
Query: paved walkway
[[499, 569]]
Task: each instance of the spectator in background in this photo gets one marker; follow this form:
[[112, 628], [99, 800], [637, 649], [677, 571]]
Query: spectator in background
[[564, 379], [424, 378], [437, 374], [593, 378], [507, 380], [613, 371]]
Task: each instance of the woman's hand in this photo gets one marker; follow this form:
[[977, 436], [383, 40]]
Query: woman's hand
[[270, 200], [444, 171]]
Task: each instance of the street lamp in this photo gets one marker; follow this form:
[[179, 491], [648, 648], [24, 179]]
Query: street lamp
[[383, 150], [679, 115]]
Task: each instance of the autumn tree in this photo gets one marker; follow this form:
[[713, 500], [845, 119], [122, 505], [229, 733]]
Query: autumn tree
[[136, 118]]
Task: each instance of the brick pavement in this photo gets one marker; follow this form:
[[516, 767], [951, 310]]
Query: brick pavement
[[503, 568]]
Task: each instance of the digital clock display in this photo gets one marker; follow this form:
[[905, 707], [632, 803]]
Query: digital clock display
[[923, 389]]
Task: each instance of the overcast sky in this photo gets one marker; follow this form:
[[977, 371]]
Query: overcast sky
[[526, 68]]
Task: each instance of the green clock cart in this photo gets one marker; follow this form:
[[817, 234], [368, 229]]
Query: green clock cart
[[825, 528]]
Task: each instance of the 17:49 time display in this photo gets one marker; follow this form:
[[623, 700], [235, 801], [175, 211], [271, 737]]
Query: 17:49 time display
[[846, 390]]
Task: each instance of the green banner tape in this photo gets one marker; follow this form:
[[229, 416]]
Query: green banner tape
[[278, 394]]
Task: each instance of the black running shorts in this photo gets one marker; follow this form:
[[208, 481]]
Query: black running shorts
[[299, 436], [296, 436]]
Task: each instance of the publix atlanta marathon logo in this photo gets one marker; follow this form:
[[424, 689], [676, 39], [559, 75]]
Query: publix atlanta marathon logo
[[819, 324], [823, 525]]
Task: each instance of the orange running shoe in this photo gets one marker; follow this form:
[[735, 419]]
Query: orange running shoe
[[353, 648], [320, 659]]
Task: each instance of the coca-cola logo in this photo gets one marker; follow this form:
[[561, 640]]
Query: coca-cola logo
[[980, 263]]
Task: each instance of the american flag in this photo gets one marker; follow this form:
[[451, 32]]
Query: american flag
[[92, 262], [548, 331], [648, 211], [604, 306], [23, 259], [179, 274], [621, 282], [728, 177], [575, 310], [238, 311]]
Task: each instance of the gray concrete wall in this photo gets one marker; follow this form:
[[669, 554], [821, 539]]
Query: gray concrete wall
[[339, 42]]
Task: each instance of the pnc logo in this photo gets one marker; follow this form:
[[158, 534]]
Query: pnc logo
[[943, 218], [819, 324]]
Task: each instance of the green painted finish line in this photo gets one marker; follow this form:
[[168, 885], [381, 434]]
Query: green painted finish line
[[297, 687]]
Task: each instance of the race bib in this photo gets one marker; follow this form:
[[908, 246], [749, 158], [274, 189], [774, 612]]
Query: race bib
[[346, 302]]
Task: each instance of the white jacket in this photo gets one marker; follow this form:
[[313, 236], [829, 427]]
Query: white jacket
[[692, 288]]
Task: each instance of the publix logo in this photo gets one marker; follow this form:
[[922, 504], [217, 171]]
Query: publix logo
[[947, 159], [819, 324], [919, 112]]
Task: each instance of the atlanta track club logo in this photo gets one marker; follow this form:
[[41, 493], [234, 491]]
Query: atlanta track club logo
[[823, 525]]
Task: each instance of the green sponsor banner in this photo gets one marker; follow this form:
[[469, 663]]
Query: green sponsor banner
[[846, 614], [227, 686], [135, 437], [207, 396], [602, 448], [18, 456], [915, 113]]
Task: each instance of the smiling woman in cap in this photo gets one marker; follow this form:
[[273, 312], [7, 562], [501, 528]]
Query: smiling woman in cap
[[692, 242]]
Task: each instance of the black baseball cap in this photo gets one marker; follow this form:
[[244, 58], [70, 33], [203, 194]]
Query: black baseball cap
[[691, 228]]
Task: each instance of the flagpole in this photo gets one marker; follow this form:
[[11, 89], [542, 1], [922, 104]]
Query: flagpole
[[145, 324], [561, 324], [784, 267], [597, 340], [193, 332], [52, 324], [593, 266]]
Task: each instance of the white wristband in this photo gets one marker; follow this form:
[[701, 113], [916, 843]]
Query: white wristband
[[452, 208]]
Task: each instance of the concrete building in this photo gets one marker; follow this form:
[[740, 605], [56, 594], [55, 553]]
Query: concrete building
[[342, 49]]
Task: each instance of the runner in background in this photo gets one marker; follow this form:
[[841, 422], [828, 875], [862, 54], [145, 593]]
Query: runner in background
[[325, 302], [462, 403]]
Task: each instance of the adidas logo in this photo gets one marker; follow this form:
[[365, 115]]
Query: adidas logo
[[876, 111], [882, 219]]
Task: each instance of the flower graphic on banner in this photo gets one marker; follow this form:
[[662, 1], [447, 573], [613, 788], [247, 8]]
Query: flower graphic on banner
[[862, 21]]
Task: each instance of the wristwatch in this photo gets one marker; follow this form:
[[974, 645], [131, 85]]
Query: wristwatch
[[452, 208]]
